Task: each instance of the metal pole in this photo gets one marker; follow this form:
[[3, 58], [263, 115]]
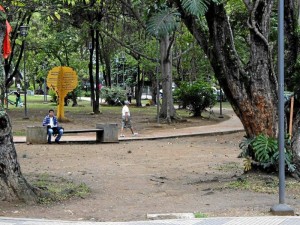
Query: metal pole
[[281, 208], [281, 103], [25, 83], [157, 81]]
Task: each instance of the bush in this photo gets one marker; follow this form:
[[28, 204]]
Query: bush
[[195, 97], [112, 95], [87, 94], [264, 151], [53, 96]]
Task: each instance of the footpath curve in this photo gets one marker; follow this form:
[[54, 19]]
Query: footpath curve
[[228, 126]]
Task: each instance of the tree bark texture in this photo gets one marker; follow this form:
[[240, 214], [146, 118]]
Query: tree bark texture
[[91, 76], [13, 185], [2, 33], [251, 89], [139, 89], [97, 97], [291, 16], [292, 42], [167, 109]]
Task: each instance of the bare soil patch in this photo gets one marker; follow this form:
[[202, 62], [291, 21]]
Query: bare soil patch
[[130, 179]]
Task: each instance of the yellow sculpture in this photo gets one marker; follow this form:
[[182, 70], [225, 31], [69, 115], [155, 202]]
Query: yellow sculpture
[[62, 80]]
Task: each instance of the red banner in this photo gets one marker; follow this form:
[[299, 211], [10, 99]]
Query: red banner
[[6, 41]]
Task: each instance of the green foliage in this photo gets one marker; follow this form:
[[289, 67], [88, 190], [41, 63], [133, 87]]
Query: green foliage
[[239, 184], [59, 189], [245, 147], [166, 19], [200, 215], [3, 16], [87, 94], [264, 150], [112, 94], [53, 95], [196, 7], [163, 22], [196, 97]]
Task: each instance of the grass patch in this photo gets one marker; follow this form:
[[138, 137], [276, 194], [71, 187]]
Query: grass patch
[[255, 183], [263, 183], [19, 133], [230, 166], [239, 184], [200, 215], [57, 189]]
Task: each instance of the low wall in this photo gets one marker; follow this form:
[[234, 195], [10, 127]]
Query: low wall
[[36, 135], [110, 133]]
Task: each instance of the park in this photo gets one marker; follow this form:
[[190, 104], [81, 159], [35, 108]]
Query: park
[[196, 174], [175, 106]]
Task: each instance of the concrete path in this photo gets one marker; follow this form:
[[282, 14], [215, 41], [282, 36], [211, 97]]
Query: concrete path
[[207, 221], [227, 126]]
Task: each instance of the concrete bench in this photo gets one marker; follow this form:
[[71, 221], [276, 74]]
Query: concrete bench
[[105, 133], [99, 133]]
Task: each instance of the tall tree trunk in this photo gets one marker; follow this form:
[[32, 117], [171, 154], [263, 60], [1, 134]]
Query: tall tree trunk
[[2, 72], [74, 99], [167, 110], [91, 69], [251, 89], [138, 94], [13, 186], [105, 60], [291, 18], [96, 108]]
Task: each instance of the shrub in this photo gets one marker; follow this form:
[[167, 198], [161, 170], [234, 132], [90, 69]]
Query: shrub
[[53, 96], [111, 95], [87, 94], [264, 151], [195, 97]]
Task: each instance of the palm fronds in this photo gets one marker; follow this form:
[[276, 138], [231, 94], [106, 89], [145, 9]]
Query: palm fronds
[[163, 22], [197, 7]]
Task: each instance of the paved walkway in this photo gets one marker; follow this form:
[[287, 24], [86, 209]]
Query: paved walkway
[[228, 126], [275, 220]]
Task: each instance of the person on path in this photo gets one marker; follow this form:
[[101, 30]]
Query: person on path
[[52, 127], [18, 97], [126, 119], [129, 96]]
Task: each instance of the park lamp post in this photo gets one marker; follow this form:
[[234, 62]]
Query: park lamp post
[[23, 33], [282, 208]]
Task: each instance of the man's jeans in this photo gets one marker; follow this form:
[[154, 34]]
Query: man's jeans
[[50, 133]]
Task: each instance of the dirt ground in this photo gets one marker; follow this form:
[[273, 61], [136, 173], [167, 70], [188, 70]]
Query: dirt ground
[[131, 179]]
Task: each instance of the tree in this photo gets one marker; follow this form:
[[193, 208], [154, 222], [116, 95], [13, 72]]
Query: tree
[[13, 186], [250, 86], [162, 25]]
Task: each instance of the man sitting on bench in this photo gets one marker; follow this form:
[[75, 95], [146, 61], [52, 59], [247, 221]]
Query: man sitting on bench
[[52, 127]]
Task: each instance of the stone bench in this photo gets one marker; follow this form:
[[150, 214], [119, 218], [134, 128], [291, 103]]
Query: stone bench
[[105, 133]]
